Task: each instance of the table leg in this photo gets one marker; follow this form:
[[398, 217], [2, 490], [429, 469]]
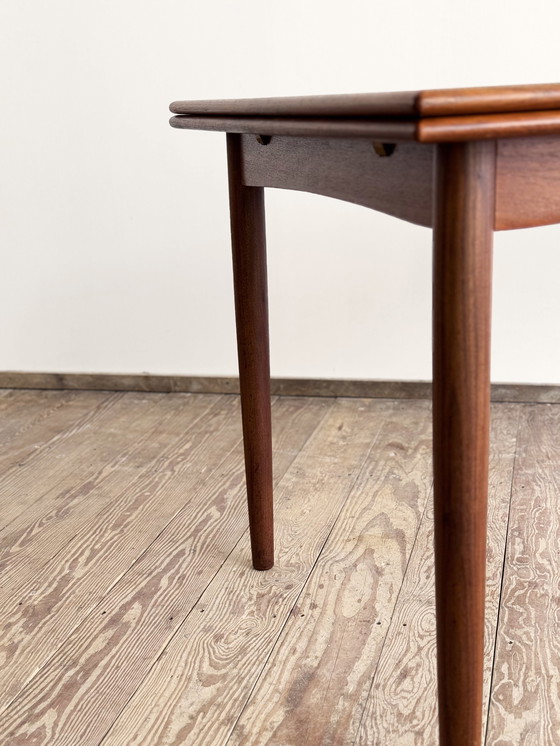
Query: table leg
[[463, 228], [251, 313]]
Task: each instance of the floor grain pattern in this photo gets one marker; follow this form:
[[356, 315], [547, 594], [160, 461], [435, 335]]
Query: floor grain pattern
[[525, 707], [130, 613]]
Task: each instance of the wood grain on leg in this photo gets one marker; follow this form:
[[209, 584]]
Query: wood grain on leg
[[251, 312], [463, 222]]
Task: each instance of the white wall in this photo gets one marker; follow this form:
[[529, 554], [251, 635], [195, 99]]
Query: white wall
[[114, 227]]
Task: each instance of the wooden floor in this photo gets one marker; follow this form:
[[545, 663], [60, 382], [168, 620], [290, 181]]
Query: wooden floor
[[130, 614]]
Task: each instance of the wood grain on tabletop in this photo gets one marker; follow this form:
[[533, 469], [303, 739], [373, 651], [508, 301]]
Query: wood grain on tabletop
[[501, 98], [446, 115], [488, 126], [433, 102]]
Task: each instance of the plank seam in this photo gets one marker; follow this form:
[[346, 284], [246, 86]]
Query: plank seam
[[115, 582], [395, 605], [52, 442], [203, 591], [146, 437], [506, 546], [305, 583]]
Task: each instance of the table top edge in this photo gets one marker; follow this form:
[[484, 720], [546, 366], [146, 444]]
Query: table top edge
[[415, 104]]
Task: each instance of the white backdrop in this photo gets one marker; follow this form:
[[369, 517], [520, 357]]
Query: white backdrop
[[114, 227]]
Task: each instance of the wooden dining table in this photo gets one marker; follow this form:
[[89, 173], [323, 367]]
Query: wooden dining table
[[465, 162]]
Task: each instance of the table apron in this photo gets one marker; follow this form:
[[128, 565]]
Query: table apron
[[398, 178]]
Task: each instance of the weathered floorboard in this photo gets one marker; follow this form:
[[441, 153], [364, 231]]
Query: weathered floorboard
[[36, 412], [26, 547], [525, 703], [203, 483], [32, 425], [402, 706], [86, 441], [97, 548], [318, 677], [195, 692], [129, 613]]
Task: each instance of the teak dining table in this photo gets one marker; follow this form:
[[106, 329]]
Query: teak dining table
[[465, 162]]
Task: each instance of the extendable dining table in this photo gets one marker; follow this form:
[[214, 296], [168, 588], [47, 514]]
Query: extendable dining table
[[465, 162]]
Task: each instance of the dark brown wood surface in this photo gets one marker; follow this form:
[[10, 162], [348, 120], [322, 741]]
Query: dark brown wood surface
[[399, 184], [503, 98], [449, 101], [426, 130], [251, 313], [528, 182], [373, 129], [446, 115], [463, 223], [341, 105], [488, 126]]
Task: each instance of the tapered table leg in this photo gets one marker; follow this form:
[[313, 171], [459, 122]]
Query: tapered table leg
[[463, 226], [251, 313]]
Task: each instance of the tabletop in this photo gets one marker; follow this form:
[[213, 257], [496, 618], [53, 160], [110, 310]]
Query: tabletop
[[425, 116]]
